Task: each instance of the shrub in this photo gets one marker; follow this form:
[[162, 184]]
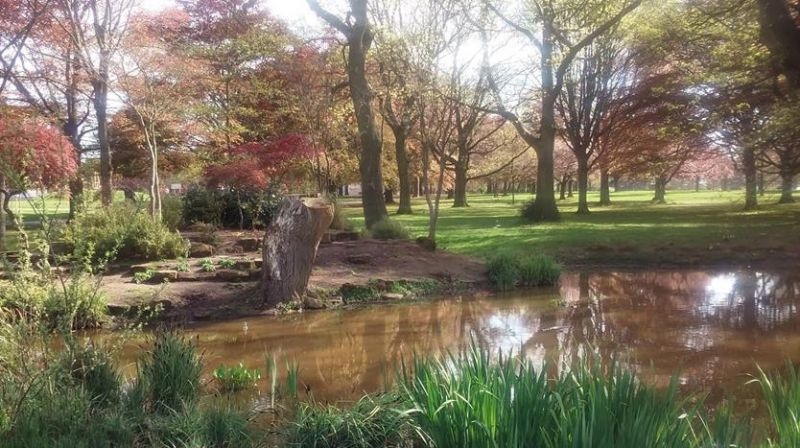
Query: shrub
[[503, 271], [225, 428], [538, 270], [388, 229], [230, 208], [207, 265], [235, 378], [340, 221], [172, 211], [122, 230]]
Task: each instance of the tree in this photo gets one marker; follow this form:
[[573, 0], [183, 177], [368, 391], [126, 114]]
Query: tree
[[358, 33], [155, 88], [544, 28], [17, 22], [33, 154], [257, 166], [97, 37]]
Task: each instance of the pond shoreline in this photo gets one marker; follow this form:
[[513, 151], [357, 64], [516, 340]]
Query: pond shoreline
[[365, 272]]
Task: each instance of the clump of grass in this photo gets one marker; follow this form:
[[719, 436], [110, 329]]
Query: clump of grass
[[372, 421], [236, 378], [782, 394], [207, 265], [507, 271], [470, 400], [503, 271], [169, 374], [538, 270], [388, 229]]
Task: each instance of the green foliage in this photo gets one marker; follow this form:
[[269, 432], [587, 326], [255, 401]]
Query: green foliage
[[169, 374], [388, 229], [472, 401], [207, 265], [182, 265], [122, 231], [370, 422], [503, 271], [538, 270], [142, 277], [359, 293], [236, 378], [226, 263], [172, 211], [229, 208], [225, 428], [507, 271], [782, 394]]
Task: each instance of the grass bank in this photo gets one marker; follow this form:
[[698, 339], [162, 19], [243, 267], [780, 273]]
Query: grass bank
[[693, 228]]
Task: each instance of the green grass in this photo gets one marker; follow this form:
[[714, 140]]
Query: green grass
[[633, 227]]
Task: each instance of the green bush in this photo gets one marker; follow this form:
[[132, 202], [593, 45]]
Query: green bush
[[172, 211], [229, 208], [72, 302], [388, 229], [122, 231], [236, 378]]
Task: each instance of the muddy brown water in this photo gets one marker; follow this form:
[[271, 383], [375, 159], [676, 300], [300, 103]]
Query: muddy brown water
[[710, 328]]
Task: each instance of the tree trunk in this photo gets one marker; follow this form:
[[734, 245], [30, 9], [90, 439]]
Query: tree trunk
[[100, 101], [388, 196], [544, 206], [3, 217], [661, 190], [402, 172], [290, 246], [697, 183], [787, 185], [761, 184], [460, 191], [605, 190], [750, 179], [583, 186], [562, 188]]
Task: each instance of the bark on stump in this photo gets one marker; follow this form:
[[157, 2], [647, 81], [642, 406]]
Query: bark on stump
[[290, 246]]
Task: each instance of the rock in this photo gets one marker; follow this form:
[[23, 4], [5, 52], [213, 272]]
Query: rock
[[244, 265], [137, 268], [392, 296], [249, 244], [232, 275], [426, 243], [167, 274], [359, 259], [311, 303], [202, 315], [195, 276], [269, 312], [200, 250], [258, 262]]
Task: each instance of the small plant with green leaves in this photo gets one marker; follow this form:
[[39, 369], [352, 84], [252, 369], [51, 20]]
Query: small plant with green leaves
[[182, 265], [236, 378], [227, 263], [207, 265], [144, 276]]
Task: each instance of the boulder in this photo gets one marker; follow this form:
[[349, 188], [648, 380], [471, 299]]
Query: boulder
[[166, 274], [392, 296], [232, 275], [200, 250], [249, 244]]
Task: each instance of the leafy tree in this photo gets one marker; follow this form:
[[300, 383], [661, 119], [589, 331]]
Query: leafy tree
[[33, 154], [358, 32]]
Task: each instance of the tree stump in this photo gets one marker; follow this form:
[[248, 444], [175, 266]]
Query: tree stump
[[290, 246]]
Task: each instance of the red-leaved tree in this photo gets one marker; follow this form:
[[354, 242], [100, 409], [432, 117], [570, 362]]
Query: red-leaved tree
[[33, 154]]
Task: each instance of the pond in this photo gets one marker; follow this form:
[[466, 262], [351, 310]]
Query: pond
[[709, 328]]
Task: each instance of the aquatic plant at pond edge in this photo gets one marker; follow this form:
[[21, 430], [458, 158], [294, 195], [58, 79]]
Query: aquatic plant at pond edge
[[506, 271], [235, 378], [782, 394]]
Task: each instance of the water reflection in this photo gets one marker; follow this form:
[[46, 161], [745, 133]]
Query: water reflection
[[713, 327]]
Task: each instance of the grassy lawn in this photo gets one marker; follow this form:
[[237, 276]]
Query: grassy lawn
[[707, 226]]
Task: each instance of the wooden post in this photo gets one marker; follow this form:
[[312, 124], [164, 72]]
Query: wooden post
[[290, 246]]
